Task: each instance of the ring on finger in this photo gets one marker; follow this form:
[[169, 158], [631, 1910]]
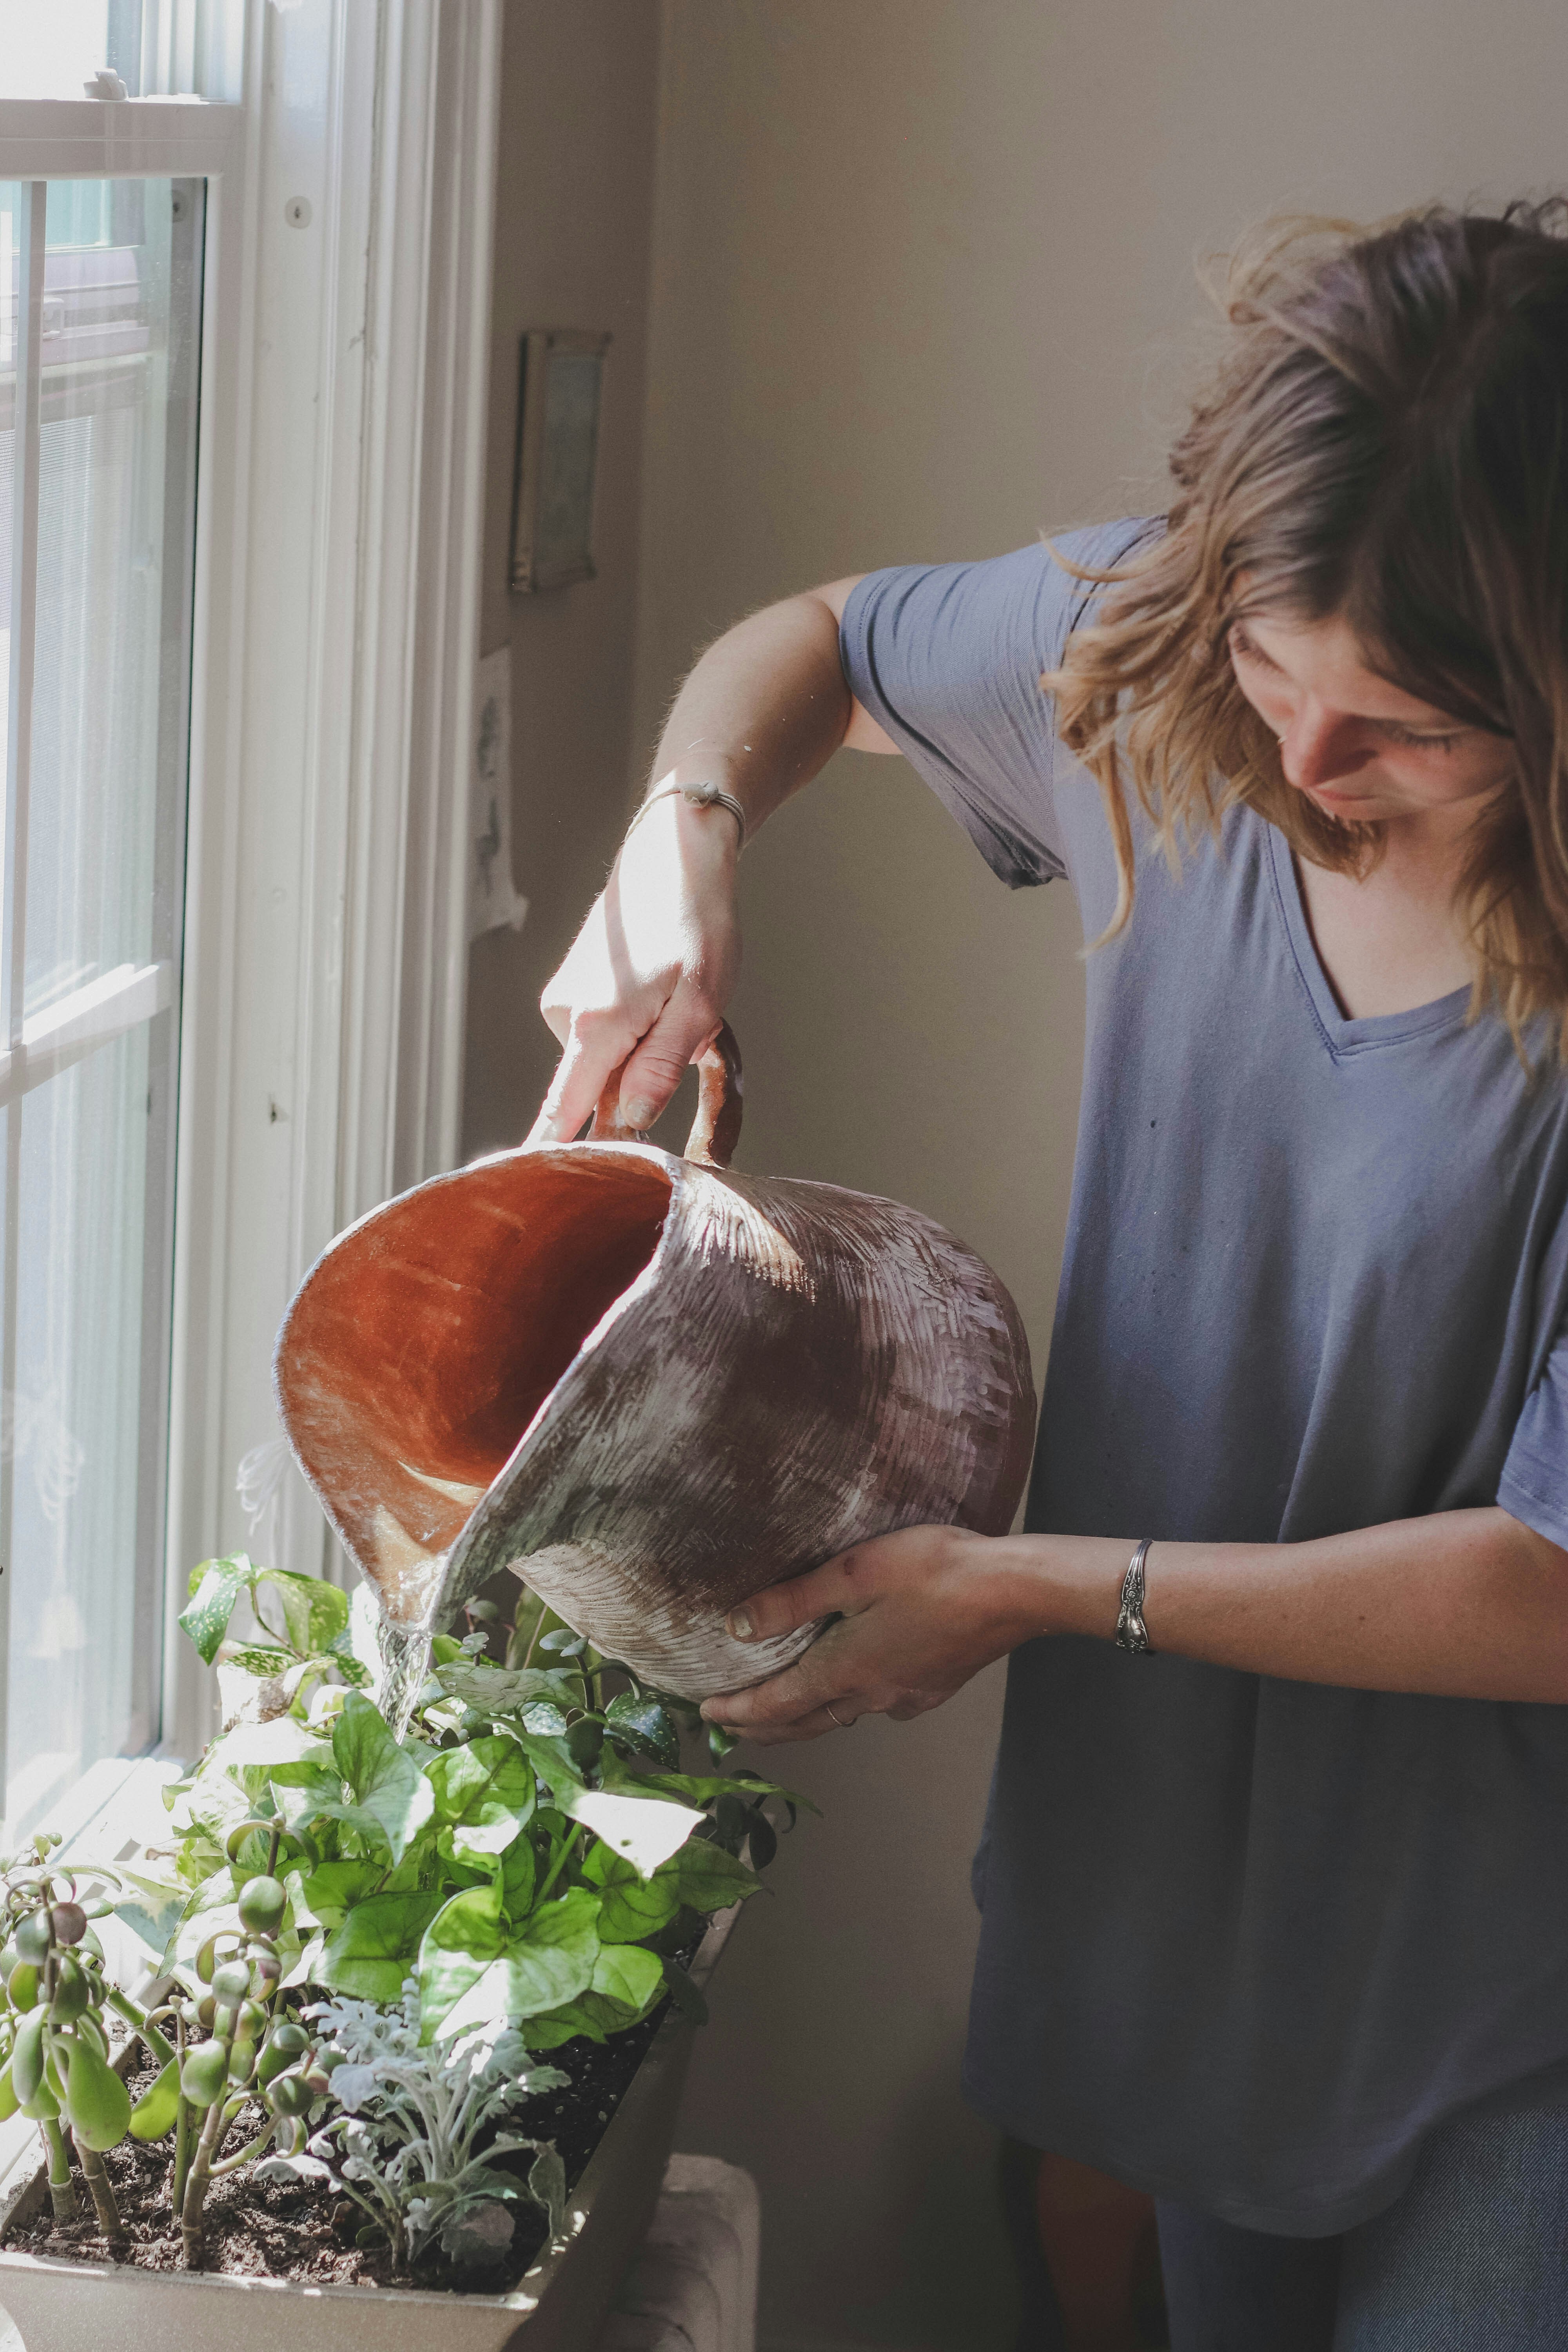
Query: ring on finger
[[838, 1719]]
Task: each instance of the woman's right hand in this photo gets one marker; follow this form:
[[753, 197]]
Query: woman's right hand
[[649, 974], [644, 983]]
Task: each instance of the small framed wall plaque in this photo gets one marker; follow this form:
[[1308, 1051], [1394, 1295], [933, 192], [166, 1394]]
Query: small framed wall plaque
[[557, 443]]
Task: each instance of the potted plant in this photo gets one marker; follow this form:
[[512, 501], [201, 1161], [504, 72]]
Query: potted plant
[[419, 2008]]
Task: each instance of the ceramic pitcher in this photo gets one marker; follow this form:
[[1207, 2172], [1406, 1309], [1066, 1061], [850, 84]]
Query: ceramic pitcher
[[651, 1385]]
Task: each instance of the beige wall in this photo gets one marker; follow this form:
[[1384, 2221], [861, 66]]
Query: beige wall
[[921, 270], [573, 201]]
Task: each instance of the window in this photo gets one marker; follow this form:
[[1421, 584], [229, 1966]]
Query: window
[[99, 336], [244, 352]]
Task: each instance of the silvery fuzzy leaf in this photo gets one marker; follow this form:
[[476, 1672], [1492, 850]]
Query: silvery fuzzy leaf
[[547, 2187], [543, 2078], [480, 2234], [293, 2167], [353, 2085]]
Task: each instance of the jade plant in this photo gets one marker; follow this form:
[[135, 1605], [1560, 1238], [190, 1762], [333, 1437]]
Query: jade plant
[[250, 2053], [55, 2029]]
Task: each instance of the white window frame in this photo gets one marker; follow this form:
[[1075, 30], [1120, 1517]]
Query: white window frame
[[339, 540]]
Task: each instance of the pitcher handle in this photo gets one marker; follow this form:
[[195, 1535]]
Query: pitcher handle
[[715, 1130]]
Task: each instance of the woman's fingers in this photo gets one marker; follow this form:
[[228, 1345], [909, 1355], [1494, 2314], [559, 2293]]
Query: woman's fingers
[[651, 1071], [656, 1067], [810, 1727], [587, 1062], [793, 1705], [832, 1589]]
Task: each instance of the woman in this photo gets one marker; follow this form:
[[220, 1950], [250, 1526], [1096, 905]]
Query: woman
[[1275, 1916]]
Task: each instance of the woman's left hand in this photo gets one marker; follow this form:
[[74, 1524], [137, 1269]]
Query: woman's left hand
[[919, 1611]]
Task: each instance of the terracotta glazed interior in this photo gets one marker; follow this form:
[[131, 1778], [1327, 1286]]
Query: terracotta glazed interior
[[425, 1344]]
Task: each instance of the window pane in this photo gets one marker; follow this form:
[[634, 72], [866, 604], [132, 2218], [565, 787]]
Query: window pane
[[113, 526], [50, 47], [79, 1610], [96, 793]]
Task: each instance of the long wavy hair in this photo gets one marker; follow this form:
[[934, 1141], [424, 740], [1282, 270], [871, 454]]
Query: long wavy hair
[[1386, 441]]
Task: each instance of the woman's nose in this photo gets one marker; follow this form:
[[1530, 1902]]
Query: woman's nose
[[1320, 746]]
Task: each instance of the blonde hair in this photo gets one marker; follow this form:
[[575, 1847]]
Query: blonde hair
[[1385, 440]]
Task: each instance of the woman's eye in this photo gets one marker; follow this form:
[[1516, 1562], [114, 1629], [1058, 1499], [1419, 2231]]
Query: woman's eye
[[1403, 735]]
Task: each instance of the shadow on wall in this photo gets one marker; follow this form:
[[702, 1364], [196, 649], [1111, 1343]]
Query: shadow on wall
[[829, 2069]]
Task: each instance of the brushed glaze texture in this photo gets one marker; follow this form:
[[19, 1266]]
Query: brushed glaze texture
[[650, 1386]]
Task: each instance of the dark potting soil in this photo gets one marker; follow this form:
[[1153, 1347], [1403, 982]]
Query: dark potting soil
[[274, 2229]]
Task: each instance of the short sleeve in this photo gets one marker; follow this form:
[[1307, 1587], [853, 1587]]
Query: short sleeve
[[1534, 1482], [947, 659]]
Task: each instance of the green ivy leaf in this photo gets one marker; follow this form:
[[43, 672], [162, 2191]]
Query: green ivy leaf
[[377, 1945], [630, 1907], [703, 1876], [336, 1887], [625, 1973], [314, 1611], [215, 1586], [386, 1780], [485, 1793], [153, 1911], [641, 1723], [564, 2024], [544, 1717], [264, 1664], [506, 1690], [466, 1934], [519, 1875], [644, 1831], [705, 1789], [551, 1960], [341, 1650]]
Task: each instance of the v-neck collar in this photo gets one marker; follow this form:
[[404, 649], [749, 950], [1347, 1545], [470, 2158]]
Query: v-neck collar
[[1342, 1036]]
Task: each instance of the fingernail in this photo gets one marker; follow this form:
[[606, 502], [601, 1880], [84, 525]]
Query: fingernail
[[739, 1623], [638, 1114]]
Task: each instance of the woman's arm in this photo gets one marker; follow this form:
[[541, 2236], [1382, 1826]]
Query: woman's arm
[[647, 980], [1463, 1605]]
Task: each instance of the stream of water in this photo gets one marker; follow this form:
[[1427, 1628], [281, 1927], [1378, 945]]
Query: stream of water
[[405, 1652]]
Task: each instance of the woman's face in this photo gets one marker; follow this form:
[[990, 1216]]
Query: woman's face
[[1364, 750]]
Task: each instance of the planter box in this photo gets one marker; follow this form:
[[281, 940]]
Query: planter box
[[558, 2306]]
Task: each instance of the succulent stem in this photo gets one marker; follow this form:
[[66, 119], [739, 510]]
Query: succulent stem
[[62, 2195], [193, 2218], [181, 2126], [246, 2155], [99, 2189]]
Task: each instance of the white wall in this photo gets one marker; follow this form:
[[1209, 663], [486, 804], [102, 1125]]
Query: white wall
[[573, 197], [921, 270]]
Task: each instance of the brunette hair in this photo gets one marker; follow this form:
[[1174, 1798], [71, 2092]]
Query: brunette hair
[[1385, 440]]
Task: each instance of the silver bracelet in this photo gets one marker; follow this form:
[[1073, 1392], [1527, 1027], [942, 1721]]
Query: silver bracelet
[[1131, 1630], [707, 795]]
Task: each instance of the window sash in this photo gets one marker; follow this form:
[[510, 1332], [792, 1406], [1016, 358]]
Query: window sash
[[43, 1041], [339, 537]]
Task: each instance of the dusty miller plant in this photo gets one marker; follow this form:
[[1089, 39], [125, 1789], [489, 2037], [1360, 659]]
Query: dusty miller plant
[[402, 2148]]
